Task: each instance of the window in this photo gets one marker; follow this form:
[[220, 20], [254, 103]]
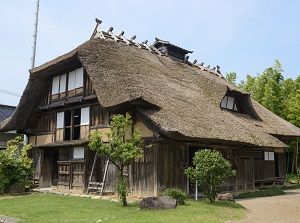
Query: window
[[75, 82], [269, 156], [60, 120], [59, 87], [78, 152], [74, 79], [71, 121], [229, 103]]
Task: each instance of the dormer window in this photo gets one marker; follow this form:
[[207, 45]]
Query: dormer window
[[239, 102], [229, 103]]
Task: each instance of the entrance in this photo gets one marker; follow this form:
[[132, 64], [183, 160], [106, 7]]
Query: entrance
[[49, 175]]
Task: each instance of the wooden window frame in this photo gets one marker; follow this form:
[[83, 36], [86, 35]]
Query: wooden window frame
[[65, 91], [78, 152], [269, 156], [234, 103], [62, 86], [71, 122], [76, 89]]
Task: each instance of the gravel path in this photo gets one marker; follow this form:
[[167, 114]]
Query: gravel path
[[284, 208], [6, 219]]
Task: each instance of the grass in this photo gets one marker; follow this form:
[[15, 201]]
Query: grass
[[290, 187], [264, 192], [267, 191], [58, 208]]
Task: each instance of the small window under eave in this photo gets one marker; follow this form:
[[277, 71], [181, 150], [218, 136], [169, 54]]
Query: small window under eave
[[239, 102], [229, 103]]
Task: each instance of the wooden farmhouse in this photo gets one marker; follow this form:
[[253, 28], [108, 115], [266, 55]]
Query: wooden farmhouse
[[5, 112], [179, 107]]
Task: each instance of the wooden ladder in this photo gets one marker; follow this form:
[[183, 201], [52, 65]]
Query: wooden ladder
[[98, 186]]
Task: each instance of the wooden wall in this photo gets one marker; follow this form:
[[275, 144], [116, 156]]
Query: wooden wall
[[172, 160], [264, 170], [143, 178], [244, 178], [71, 172], [281, 165]]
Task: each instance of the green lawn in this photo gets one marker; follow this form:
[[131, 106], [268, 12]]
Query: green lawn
[[59, 208]]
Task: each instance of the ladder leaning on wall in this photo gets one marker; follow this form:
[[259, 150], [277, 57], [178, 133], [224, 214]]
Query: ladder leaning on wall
[[97, 186]]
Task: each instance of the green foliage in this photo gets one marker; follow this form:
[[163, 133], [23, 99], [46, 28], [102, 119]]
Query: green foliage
[[267, 88], [293, 115], [179, 195], [289, 187], [122, 148], [15, 164], [293, 178], [210, 171], [298, 175], [264, 192], [231, 77], [280, 96]]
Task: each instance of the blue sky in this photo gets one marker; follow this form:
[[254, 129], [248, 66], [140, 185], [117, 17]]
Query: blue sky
[[238, 35]]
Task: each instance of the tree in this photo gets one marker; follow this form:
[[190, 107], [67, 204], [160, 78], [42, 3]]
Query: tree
[[210, 171], [280, 96], [15, 164], [248, 85], [122, 148], [231, 77]]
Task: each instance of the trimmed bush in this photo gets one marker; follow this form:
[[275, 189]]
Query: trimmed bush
[[210, 170], [179, 195]]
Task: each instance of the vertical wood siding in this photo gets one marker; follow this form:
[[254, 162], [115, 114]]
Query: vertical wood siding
[[172, 160], [264, 169], [143, 179]]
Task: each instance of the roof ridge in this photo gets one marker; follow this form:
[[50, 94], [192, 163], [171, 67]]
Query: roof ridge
[[109, 35]]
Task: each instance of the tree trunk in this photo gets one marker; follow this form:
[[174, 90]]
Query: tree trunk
[[296, 157], [288, 160], [122, 190], [293, 163]]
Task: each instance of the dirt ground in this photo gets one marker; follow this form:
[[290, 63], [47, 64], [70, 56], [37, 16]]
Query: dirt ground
[[6, 219], [284, 208]]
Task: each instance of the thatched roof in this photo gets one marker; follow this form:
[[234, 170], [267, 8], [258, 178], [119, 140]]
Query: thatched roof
[[186, 98]]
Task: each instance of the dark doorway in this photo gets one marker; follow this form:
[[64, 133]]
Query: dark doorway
[[276, 165], [54, 171], [50, 168]]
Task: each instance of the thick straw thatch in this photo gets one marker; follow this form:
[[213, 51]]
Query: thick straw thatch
[[187, 98]]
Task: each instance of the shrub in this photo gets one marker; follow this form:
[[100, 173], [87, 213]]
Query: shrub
[[210, 171], [291, 178], [15, 164], [179, 195]]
